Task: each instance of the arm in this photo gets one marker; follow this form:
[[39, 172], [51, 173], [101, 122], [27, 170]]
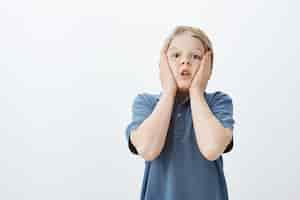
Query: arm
[[212, 137], [149, 137]]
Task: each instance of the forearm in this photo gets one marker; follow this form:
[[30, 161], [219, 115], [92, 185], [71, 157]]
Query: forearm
[[211, 136], [149, 137]]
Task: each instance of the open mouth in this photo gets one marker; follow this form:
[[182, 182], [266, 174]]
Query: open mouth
[[185, 74]]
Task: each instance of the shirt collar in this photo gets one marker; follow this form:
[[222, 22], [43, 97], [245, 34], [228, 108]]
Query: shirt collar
[[186, 99], [181, 100]]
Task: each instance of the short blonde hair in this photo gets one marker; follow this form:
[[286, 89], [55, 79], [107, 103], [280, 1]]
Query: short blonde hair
[[196, 33]]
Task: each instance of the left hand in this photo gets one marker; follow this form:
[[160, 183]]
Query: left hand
[[201, 77]]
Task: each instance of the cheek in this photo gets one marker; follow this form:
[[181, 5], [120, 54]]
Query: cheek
[[174, 68]]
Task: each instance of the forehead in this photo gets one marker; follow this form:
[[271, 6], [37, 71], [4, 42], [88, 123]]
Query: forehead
[[186, 41]]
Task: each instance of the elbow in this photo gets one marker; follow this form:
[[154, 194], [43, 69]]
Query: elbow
[[210, 153], [145, 149], [148, 155]]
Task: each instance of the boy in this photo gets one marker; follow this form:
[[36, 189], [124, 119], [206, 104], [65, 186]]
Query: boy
[[183, 132]]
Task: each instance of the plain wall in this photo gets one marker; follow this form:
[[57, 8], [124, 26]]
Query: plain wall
[[69, 71]]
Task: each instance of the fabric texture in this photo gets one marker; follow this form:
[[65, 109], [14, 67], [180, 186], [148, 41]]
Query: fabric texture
[[181, 171]]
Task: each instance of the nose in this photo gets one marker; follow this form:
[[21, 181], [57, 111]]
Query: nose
[[185, 61]]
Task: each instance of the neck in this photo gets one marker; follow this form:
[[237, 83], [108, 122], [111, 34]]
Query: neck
[[180, 95]]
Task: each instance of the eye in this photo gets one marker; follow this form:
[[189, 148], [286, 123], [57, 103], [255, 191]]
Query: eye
[[197, 56], [175, 55]]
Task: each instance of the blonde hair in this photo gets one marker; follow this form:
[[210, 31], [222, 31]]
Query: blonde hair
[[196, 33]]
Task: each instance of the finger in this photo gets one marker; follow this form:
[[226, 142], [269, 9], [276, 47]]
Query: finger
[[162, 61], [163, 58], [207, 54], [165, 46], [206, 57], [195, 75], [207, 63], [197, 72]]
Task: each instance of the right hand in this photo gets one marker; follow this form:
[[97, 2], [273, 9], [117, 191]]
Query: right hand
[[168, 81]]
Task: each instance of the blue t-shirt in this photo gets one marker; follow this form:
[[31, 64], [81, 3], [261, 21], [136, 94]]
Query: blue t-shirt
[[181, 171]]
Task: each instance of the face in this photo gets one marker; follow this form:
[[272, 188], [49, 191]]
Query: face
[[185, 54]]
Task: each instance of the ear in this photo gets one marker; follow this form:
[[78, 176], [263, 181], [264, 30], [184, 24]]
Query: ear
[[210, 74]]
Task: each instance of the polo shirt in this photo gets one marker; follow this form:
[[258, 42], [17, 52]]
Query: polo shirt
[[181, 171]]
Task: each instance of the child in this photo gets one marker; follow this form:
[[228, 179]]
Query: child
[[182, 132]]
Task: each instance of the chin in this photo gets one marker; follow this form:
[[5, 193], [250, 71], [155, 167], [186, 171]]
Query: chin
[[184, 88], [184, 84]]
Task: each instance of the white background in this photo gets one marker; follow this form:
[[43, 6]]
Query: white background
[[69, 71]]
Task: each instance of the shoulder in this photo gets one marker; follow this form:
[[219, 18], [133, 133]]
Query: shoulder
[[220, 100], [218, 96], [146, 98]]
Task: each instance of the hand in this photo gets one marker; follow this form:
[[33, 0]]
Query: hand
[[168, 81], [201, 77]]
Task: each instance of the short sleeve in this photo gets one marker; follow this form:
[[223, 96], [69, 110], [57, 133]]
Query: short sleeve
[[222, 108], [140, 110]]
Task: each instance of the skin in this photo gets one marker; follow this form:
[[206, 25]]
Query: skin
[[191, 56], [185, 53]]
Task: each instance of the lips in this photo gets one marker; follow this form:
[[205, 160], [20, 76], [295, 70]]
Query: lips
[[185, 75], [185, 72]]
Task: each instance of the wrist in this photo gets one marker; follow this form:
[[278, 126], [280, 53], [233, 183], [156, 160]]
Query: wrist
[[169, 94], [196, 90]]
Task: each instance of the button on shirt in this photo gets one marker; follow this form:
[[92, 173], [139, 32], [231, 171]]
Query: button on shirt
[[181, 171]]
